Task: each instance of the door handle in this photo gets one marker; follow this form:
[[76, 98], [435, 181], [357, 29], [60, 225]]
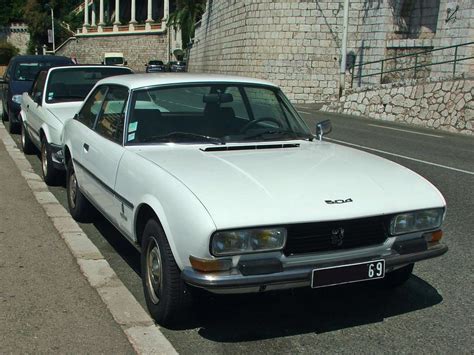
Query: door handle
[[86, 147]]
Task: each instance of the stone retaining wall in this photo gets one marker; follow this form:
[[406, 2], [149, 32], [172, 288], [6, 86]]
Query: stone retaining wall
[[137, 49], [446, 105]]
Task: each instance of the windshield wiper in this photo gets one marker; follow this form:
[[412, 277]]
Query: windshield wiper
[[183, 135], [273, 133]]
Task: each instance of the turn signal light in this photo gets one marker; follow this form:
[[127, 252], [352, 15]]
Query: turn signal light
[[210, 265], [433, 237]]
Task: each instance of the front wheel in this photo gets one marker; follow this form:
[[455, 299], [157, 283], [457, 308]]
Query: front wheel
[[79, 207], [26, 143], [50, 173], [166, 294]]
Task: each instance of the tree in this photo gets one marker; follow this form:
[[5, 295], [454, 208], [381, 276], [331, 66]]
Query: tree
[[187, 13], [7, 51]]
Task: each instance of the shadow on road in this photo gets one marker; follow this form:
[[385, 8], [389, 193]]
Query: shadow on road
[[265, 316]]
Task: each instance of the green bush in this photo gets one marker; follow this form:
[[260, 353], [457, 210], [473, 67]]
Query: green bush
[[7, 51]]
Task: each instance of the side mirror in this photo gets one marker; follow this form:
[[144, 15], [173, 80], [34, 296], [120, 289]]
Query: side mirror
[[323, 128], [125, 63], [102, 62], [76, 116]]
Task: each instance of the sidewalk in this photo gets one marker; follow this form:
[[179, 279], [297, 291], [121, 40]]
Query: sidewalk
[[46, 304]]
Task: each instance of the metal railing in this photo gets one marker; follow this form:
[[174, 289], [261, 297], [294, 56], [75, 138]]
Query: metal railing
[[415, 67]]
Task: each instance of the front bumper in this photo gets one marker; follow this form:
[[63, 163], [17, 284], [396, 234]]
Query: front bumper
[[234, 282], [14, 112]]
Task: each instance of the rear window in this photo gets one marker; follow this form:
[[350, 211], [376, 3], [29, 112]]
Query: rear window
[[113, 60], [28, 71], [73, 84], [155, 62]]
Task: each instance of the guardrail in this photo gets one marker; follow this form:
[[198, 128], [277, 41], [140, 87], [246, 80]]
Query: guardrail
[[415, 67]]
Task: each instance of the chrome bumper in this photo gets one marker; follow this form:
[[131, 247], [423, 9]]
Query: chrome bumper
[[234, 282]]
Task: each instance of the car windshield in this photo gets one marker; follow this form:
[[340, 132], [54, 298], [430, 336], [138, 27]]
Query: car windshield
[[73, 84], [113, 60], [28, 71], [214, 113], [155, 62]]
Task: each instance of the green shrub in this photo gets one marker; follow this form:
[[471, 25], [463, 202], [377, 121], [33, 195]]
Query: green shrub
[[7, 51]]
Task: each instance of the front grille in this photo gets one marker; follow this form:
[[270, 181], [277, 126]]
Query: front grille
[[323, 236]]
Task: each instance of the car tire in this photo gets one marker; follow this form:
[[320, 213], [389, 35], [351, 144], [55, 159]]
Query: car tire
[[13, 127], [26, 144], [398, 277], [166, 295], [79, 207], [49, 172]]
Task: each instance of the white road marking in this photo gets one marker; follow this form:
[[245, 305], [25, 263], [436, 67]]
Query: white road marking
[[406, 130], [401, 156], [308, 113]]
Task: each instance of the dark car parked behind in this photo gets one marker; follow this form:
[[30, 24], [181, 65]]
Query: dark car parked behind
[[18, 79], [155, 66]]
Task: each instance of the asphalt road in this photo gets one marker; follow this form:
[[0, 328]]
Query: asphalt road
[[432, 313]]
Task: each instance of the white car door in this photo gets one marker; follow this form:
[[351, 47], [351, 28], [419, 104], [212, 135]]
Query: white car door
[[102, 151], [33, 108]]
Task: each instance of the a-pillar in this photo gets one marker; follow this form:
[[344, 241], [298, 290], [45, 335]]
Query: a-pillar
[[149, 18], [101, 15], [117, 15], [86, 16], [133, 20]]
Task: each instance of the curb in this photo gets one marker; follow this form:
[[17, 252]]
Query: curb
[[139, 328]]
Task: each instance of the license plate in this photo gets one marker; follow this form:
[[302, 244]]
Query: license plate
[[343, 274]]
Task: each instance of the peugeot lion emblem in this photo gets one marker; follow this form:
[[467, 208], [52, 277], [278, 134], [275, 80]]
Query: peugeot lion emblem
[[337, 236]]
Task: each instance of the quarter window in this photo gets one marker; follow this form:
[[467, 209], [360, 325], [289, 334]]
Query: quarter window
[[92, 107], [111, 119]]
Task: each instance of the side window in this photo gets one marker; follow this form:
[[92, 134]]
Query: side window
[[266, 107], [91, 108], [111, 120]]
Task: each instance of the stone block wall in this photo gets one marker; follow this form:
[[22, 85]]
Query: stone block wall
[[137, 49], [295, 44], [446, 105]]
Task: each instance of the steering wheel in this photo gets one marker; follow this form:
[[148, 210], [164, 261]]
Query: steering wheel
[[246, 127]]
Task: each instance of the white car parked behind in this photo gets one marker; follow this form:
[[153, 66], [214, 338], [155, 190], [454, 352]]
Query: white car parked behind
[[222, 186], [56, 95]]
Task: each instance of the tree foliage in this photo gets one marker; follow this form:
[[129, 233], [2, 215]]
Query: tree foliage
[[187, 13], [7, 50]]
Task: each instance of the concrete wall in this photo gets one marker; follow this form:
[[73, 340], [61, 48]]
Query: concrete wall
[[446, 105], [137, 49]]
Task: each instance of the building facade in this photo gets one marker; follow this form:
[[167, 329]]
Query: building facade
[[136, 28]]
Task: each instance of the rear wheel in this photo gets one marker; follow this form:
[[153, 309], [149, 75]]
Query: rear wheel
[[50, 173], [79, 207], [166, 295], [13, 127], [26, 143], [398, 277]]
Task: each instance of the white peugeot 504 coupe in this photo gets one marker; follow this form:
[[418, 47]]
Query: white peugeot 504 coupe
[[221, 186], [56, 95]]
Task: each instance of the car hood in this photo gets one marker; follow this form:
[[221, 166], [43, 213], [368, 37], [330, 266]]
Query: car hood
[[292, 185], [18, 87], [64, 111]]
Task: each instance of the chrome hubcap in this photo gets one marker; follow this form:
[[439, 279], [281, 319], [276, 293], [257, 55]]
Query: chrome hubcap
[[72, 190], [44, 160], [154, 270]]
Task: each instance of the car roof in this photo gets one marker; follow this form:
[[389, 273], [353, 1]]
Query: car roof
[[82, 66], [40, 58], [135, 81]]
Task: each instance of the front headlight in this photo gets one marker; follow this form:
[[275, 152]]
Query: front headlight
[[16, 99], [247, 241], [416, 221]]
